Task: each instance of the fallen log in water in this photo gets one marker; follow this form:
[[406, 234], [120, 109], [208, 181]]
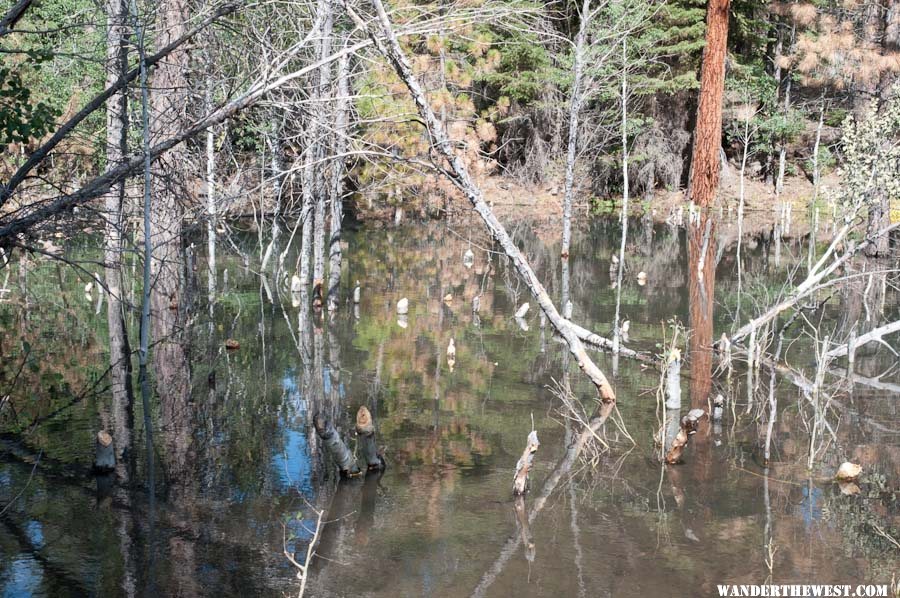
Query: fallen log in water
[[858, 341], [815, 281]]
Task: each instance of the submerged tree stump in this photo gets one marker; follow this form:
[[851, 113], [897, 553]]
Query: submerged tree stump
[[520, 482], [365, 430], [104, 453], [342, 455], [688, 428]]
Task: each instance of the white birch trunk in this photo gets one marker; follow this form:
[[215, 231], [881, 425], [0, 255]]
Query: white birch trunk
[[211, 215], [617, 333]]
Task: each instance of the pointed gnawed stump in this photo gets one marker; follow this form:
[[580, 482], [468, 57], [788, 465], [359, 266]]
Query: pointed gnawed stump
[[688, 428], [365, 430], [104, 453], [520, 482]]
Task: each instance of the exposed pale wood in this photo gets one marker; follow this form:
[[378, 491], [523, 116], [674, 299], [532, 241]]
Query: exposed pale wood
[[594, 340], [341, 123], [575, 102], [104, 453], [814, 282], [858, 341], [561, 469], [520, 482], [365, 430], [688, 427]]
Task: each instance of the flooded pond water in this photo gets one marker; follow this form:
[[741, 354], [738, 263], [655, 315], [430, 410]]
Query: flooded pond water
[[237, 475]]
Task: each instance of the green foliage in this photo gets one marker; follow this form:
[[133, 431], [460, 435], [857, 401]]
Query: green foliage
[[54, 71], [21, 118], [671, 46], [752, 89], [749, 26], [522, 72], [602, 207], [836, 117]]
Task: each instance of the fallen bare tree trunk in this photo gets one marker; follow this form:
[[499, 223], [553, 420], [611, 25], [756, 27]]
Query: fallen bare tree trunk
[[600, 342], [814, 282], [102, 183], [874, 335], [865, 381], [459, 175]]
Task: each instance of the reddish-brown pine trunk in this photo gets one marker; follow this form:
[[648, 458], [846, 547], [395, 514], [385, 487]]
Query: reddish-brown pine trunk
[[708, 132]]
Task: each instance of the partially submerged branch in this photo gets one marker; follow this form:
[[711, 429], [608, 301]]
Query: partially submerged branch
[[562, 468], [303, 568], [817, 279], [874, 335]]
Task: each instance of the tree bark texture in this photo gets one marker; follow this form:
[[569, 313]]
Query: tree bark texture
[[574, 109], [708, 132], [168, 99], [341, 123], [114, 206]]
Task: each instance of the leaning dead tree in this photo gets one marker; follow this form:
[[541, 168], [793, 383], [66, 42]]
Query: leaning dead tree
[[34, 207], [872, 158], [456, 171]]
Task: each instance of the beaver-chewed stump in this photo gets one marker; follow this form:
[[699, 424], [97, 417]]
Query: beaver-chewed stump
[[336, 447], [520, 482], [689, 425], [104, 453], [365, 430]]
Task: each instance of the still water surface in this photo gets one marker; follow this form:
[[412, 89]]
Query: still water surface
[[235, 485]]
